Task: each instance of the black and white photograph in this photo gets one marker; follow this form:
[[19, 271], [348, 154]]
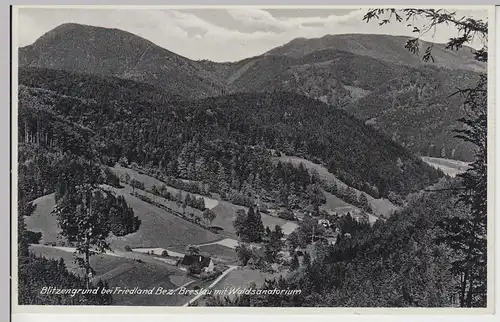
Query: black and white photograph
[[248, 156]]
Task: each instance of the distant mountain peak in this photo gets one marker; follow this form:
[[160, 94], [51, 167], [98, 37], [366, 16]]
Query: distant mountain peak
[[387, 48], [114, 52]]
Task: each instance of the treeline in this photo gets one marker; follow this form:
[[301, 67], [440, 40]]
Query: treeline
[[241, 175], [41, 172], [179, 137], [58, 155], [159, 173], [349, 195], [411, 260], [36, 272], [179, 198], [208, 215]]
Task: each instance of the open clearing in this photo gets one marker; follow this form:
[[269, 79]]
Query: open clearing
[[225, 211], [219, 252], [226, 214], [150, 181], [159, 228], [42, 220], [244, 277], [448, 166], [228, 242], [125, 272], [380, 206]]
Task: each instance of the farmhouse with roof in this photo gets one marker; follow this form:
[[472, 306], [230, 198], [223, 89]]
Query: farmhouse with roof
[[206, 263]]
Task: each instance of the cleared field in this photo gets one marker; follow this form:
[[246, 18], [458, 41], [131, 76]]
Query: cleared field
[[225, 211], [102, 263], [289, 227], [379, 206], [243, 277], [42, 220], [448, 166], [228, 242], [226, 214], [336, 204], [383, 206], [220, 252], [150, 181], [160, 228], [126, 273]]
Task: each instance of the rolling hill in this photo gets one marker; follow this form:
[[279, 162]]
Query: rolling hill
[[390, 49], [371, 76], [158, 228], [214, 129], [113, 52], [410, 104]]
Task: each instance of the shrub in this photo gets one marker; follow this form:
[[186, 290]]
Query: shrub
[[287, 215], [128, 248], [123, 161], [111, 178], [164, 253], [32, 237], [209, 275], [194, 269]]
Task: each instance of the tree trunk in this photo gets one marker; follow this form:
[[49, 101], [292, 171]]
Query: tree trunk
[[469, 292], [87, 265], [462, 289]]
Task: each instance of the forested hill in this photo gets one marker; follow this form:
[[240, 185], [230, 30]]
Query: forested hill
[[387, 48], [372, 76], [194, 139], [405, 102], [114, 52]]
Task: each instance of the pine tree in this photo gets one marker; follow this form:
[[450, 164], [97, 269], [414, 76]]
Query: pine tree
[[240, 222], [82, 211], [363, 202], [294, 263], [254, 226], [306, 260]]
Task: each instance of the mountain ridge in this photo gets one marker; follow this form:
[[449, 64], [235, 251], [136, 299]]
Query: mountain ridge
[[370, 85], [388, 48], [114, 52]]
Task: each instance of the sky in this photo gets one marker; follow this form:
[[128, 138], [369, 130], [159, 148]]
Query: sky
[[221, 34]]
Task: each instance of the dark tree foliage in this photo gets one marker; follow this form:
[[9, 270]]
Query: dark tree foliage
[[121, 218], [37, 272], [249, 226], [244, 253], [294, 264], [466, 235], [397, 263], [273, 243], [223, 141]]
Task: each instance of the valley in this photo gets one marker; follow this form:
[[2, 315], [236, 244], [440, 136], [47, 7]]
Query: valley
[[307, 167], [162, 231], [372, 76]]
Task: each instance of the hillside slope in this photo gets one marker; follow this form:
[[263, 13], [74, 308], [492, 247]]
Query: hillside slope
[[113, 52], [387, 48], [410, 104], [371, 76], [193, 139]]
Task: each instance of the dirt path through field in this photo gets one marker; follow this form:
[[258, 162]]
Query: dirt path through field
[[228, 242], [227, 271]]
